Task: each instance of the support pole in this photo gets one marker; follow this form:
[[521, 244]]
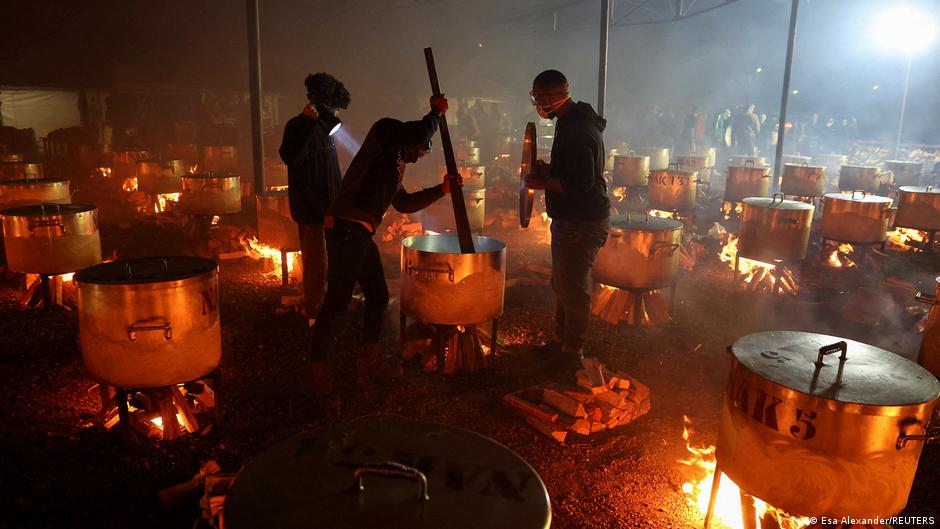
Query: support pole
[[254, 89], [785, 95], [907, 82], [602, 59]]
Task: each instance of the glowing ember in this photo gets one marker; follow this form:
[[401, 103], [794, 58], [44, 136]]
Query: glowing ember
[[164, 200], [257, 250], [216, 220], [907, 239], [194, 168], [757, 275], [130, 184], [619, 193], [102, 172], [728, 501], [839, 257], [664, 214], [277, 188], [727, 210]]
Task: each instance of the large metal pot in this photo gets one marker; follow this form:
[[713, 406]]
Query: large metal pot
[[184, 151], [747, 181], [673, 190], [159, 177], [803, 180], [210, 194], [276, 228], [51, 238], [740, 160], [774, 229], [859, 178], [918, 208], [384, 473], [796, 159], [710, 154], [439, 216], [149, 322], [855, 217], [930, 344], [21, 170], [819, 435], [443, 286], [697, 164], [832, 162], [659, 157], [640, 252], [905, 173], [222, 159], [124, 163], [15, 193], [468, 153], [473, 175], [630, 171]]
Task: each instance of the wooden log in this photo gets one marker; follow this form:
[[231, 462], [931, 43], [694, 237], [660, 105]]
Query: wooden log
[[598, 427], [611, 398], [594, 370], [530, 408], [581, 426], [185, 410], [580, 396], [548, 429], [563, 403], [656, 308]]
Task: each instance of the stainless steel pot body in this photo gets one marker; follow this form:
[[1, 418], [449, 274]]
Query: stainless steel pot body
[[859, 178], [711, 155], [742, 160], [468, 153], [659, 157], [210, 194], [803, 180], [640, 252], [697, 164], [631, 171], [51, 239], [823, 435], [905, 173], [774, 229], [918, 208], [28, 192], [747, 181], [440, 285], [149, 322], [159, 177], [930, 345], [222, 159], [276, 228], [473, 175], [20, 170], [796, 159], [439, 216], [124, 163], [855, 217], [672, 190]]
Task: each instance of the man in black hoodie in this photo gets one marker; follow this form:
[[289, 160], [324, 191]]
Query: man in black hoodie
[[313, 176], [576, 199], [372, 183]]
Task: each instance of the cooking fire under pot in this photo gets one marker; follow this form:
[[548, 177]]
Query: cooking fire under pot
[[859, 178], [440, 285], [631, 171], [51, 239], [160, 177], [857, 218], [124, 163], [210, 194], [774, 229], [918, 208], [803, 180], [150, 322], [641, 252], [745, 181], [820, 435], [673, 189], [439, 216], [14, 193]]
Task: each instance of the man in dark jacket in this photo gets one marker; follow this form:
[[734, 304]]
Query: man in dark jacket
[[372, 183], [313, 176], [576, 199]]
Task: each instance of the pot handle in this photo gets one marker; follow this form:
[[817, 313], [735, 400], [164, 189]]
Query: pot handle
[[931, 434], [449, 270], [153, 324], [749, 163], [663, 246], [840, 346], [923, 298], [860, 193], [393, 470], [130, 273], [646, 215], [773, 199], [673, 164]]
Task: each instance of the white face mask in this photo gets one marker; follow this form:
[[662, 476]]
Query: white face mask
[[545, 111]]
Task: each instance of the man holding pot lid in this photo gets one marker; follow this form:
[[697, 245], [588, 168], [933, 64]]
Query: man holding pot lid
[[372, 183], [576, 200]]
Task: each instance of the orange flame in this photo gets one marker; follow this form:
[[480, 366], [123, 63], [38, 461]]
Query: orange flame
[[130, 184], [726, 210], [904, 237], [619, 193], [164, 200], [839, 257], [102, 172], [257, 250], [663, 214]]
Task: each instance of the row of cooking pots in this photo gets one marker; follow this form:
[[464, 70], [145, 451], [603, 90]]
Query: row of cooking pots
[[211, 158], [634, 169]]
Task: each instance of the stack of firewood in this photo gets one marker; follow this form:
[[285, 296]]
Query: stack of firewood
[[166, 412], [603, 400], [614, 305], [463, 348]]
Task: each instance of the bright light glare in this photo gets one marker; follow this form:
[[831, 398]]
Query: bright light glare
[[876, 87], [795, 92], [759, 70], [904, 29]]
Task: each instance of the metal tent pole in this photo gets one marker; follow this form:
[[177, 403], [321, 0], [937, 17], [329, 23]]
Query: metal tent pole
[[785, 96], [602, 59], [254, 89]]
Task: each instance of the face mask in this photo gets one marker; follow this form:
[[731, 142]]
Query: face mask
[[545, 111]]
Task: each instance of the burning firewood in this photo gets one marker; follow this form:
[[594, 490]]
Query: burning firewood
[[614, 305]]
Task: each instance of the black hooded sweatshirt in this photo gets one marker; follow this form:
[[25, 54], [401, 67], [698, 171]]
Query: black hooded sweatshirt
[[313, 175], [578, 162]]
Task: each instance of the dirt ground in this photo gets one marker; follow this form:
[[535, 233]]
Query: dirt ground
[[59, 470]]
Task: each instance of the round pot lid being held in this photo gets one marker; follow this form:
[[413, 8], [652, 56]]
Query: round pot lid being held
[[146, 270], [857, 373], [388, 472], [527, 166]]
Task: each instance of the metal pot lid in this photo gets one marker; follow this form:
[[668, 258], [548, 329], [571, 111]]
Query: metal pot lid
[[33, 182], [920, 189], [680, 172], [209, 176], [801, 166], [643, 223], [860, 167], [146, 270], [310, 480], [448, 244], [859, 197], [763, 202], [869, 375], [905, 163], [45, 210]]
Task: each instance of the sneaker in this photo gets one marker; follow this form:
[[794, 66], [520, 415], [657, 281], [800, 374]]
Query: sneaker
[[371, 364], [320, 379]]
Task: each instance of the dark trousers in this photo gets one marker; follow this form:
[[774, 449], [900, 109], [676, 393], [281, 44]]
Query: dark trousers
[[353, 258], [574, 248]]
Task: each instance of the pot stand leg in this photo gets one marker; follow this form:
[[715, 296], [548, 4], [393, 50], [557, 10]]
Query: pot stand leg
[[216, 378], [713, 496], [285, 272], [437, 346], [748, 511], [46, 288], [493, 336], [402, 324]]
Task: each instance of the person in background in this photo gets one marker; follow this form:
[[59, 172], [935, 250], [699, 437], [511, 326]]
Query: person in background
[[372, 183], [745, 129], [313, 176], [576, 200], [693, 131]]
